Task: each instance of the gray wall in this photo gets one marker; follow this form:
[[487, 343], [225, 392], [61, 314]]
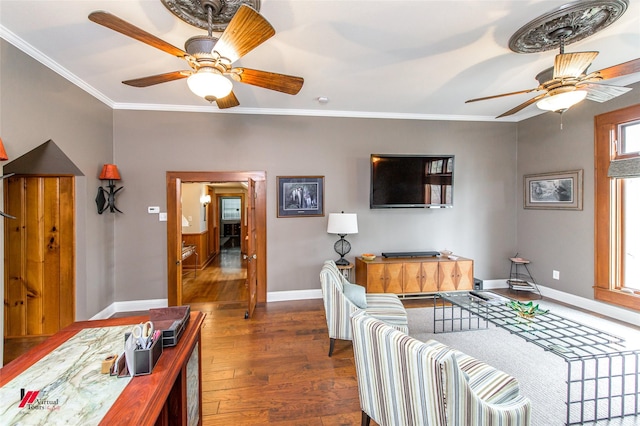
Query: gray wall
[[36, 105], [555, 239], [480, 226], [123, 257]]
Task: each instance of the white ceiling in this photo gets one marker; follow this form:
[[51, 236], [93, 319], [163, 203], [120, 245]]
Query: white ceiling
[[377, 58]]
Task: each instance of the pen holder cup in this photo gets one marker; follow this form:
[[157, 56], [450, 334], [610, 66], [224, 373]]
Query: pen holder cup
[[145, 359]]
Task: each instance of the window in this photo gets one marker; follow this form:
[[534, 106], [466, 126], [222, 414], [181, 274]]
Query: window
[[631, 234], [617, 194], [630, 138], [231, 209]]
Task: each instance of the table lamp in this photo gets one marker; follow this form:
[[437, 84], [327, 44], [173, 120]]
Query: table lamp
[[342, 224]]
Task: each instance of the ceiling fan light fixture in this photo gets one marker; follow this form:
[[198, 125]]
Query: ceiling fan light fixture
[[562, 101], [209, 84]]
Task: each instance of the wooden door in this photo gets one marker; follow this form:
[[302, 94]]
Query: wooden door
[[39, 255], [174, 226], [446, 276], [464, 275], [430, 277], [212, 225], [420, 277], [393, 278], [375, 278], [413, 277], [251, 256]]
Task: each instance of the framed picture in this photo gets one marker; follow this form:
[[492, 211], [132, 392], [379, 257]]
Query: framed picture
[[300, 196], [558, 191]]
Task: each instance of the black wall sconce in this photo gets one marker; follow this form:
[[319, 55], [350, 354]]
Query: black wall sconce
[[106, 198]]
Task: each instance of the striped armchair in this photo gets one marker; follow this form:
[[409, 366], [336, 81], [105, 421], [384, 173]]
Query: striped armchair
[[338, 307], [405, 382]]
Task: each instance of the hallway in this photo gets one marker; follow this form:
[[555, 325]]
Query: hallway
[[222, 281]]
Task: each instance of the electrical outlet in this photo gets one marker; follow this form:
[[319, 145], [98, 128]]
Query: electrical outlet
[[162, 217], [556, 275]]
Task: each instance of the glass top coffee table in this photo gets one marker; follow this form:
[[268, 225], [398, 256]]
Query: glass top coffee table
[[602, 376]]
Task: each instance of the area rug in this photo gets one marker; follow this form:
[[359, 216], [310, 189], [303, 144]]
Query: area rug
[[542, 375]]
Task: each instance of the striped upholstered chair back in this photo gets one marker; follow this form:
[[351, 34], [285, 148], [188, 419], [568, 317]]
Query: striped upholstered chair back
[[399, 380], [338, 307], [406, 382]]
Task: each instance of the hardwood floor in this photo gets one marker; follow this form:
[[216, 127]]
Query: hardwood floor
[[274, 368], [16, 346], [222, 281]]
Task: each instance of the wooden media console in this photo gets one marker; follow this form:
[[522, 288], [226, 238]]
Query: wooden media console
[[414, 275]]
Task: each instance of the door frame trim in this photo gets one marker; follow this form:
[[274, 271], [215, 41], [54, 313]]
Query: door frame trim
[[174, 179]]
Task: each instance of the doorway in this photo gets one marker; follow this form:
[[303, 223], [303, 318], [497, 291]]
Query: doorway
[[214, 236], [255, 254], [230, 220]]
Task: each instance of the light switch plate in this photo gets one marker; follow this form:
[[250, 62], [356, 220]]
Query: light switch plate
[[152, 210], [162, 217]]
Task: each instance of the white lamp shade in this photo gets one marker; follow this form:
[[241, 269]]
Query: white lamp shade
[[561, 101], [209, 84], [342, 223]]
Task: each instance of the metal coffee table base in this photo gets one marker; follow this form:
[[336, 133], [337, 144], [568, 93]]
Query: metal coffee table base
[[602, 377]]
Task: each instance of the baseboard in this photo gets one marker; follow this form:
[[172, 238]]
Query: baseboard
[[611, 311], [130, 306], [491, 284], [283, 296]]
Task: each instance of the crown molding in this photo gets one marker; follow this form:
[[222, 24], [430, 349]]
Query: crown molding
[[26, 48], [312, 113]]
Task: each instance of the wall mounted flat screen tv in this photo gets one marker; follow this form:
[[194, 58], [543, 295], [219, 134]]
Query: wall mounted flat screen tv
[[411, 181]]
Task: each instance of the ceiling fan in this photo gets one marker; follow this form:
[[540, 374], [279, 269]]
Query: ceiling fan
[[211, 58], [566, 83]]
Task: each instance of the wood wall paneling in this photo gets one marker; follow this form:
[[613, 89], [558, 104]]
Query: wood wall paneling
[[34, 228], [201, 241], [14, 264], [39, 255], [67, 252]]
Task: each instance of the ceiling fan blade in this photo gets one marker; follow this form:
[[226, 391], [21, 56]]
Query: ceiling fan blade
[[572, 65], [110, 21], [602, 92], [246, 31], [228, 101], [502, 95], [157, 79], [619, 70], [523, 105], [269, 80]]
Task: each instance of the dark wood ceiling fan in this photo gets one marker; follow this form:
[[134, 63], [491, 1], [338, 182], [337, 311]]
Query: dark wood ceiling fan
[[211, 58]]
